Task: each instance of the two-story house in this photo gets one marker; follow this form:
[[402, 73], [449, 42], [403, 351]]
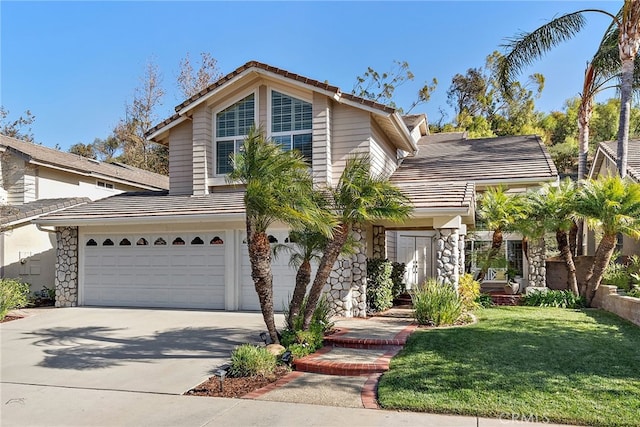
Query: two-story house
[[36, 180], [187, 248]]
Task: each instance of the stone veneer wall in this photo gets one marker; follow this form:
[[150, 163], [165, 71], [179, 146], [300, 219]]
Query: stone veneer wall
[[66, 267], [537, 264], [346, 289], [379, 242], [448, 256], [461, 254]]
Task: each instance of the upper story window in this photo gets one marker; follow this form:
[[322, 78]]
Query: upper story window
[[291, 123], [232, 126], [103, 184]]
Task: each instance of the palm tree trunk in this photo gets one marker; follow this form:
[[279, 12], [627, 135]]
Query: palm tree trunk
[[603, 256], [625, 110], [584, 118], [260, 256], [575, 239], [329, 258], [566, 254], [496, 244], [303, 277]]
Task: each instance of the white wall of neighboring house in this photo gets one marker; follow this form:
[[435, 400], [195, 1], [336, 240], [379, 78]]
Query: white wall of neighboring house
[[29, 254]]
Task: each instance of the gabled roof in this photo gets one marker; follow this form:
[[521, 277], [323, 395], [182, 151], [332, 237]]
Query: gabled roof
[[151, 206], [41, 155], [609, 150], [13, 215], [450, 157], [403, 139]]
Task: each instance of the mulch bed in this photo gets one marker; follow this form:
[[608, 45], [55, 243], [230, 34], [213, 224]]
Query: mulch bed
[[10, 318], [236, 387]]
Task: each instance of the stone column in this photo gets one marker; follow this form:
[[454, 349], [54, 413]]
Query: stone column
[[379, 242], [461, 258], [66, 267], [346, 289], [537, 264], [448, 256]]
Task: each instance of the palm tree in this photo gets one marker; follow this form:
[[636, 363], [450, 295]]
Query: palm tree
[[612, 204], [551, 208], [527, 47], [358, 198], [499, 211], [304, 246], [278, 188]]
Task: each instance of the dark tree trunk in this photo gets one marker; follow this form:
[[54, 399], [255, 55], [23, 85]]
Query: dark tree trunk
[[329, 258], [496, 244], [260, 256], [303, 277], [575, 238], [603, 256], [567, 256]]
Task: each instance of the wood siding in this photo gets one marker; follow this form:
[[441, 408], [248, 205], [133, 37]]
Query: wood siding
[[382, 152], [321, 140], [351, 131], [181, 159], [202, 140]]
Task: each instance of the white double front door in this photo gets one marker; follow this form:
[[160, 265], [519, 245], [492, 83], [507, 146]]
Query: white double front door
[[415, 250]]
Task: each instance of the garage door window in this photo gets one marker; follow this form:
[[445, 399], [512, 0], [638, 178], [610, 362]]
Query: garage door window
[[216, 241], [142, 242], [92, 242], [107, 242], [178, 241], [197, 241], [160, 242], [125, 242]]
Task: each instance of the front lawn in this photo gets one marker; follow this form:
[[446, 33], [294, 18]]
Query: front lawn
[[544, 364]]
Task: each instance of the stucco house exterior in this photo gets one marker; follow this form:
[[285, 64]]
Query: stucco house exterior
[[37, 180], [186, 247], [604, 164]]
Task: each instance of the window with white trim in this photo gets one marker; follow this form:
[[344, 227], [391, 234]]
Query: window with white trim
[[232, 126], [291, 123]]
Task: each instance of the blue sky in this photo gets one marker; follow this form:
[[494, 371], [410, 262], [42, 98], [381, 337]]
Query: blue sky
[[76, 64]]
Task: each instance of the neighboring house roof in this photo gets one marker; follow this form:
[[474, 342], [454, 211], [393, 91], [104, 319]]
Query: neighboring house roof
[[41, 155], [440, 197], [413, 120], [452, 157], [403, 139], [13, 215], [146, 207], [609, 150]]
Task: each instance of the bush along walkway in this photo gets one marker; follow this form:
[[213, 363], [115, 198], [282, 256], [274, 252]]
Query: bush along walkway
[[346, 370]]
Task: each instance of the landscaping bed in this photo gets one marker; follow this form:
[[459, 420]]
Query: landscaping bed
[[545, 364], [236, 387]]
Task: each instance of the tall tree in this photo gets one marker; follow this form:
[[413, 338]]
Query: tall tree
[[278, 187], [140, 117], [613, 205], [16, 128], [527, 47], [191, 82], [84, 150], [380, 87], [358, 198]]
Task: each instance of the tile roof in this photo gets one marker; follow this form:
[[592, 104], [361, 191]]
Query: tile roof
[[439, 195], [21, 213], [633, 155], [129, 174], [451, 157], [284, 73], [152, 204], [413, 120]]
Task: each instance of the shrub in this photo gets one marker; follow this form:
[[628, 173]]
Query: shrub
[[436, 304], [484, 300], [13, 294], [379, 284], [302, 343], [623, 275], [553, 298], [249, 360], [321, 316], [469, 291], [634, 292], [397, 277]]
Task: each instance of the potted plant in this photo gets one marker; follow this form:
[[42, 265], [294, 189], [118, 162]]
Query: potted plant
[[512, 286]]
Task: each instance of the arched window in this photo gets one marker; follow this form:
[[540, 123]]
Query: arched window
[[142, 242], [197, 241], [92, 242], [107, 242], [160, 242], [216, 241], [125, 242], [178, 241]]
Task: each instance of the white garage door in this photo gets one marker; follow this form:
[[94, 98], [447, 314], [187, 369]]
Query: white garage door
[[284, 278], [154, 270]]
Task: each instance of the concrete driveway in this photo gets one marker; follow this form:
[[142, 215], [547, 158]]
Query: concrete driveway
[[143, 350]]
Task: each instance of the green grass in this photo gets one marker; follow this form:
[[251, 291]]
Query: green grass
[[550, 364]]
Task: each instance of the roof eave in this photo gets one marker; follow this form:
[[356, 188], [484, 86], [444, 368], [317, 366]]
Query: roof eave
[[152, 219], [152, 137]]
